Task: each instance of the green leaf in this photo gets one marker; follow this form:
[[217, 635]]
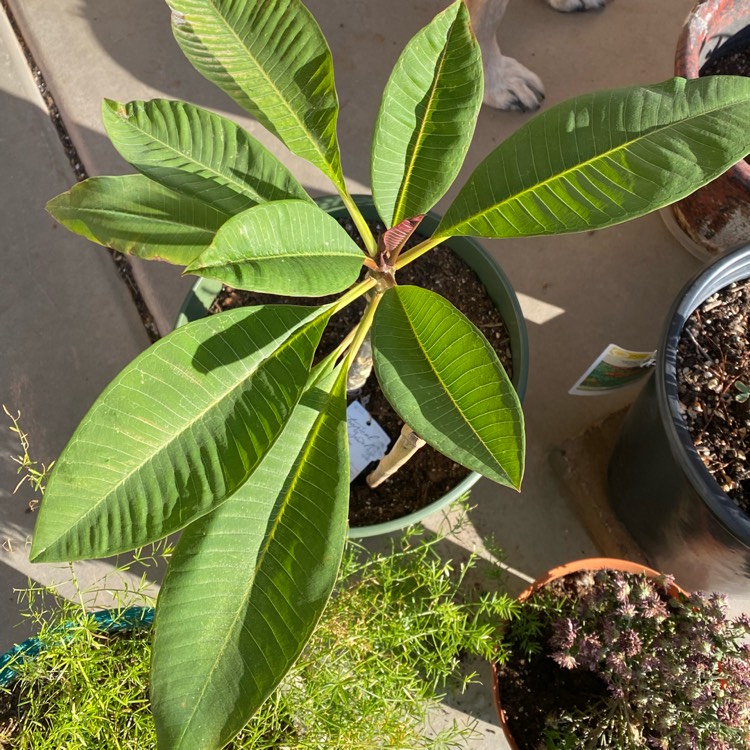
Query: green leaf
[[445, 381], [198, 153], [286, 247], [604, 158], [273, 60], [427, 117], [248, 582], [138, 216], [177, 431]]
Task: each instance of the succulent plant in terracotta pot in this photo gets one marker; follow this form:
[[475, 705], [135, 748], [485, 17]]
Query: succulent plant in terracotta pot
[[609, 654]]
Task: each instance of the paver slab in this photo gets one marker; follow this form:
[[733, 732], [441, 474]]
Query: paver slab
[[67, 321]]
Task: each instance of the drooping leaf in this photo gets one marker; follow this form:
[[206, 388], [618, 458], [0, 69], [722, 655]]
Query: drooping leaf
[[138, 216], [445, 381], [427, 117], [285, 247], [606, 157], [177, 431], [248, 582], [198, 153], [274, 61]]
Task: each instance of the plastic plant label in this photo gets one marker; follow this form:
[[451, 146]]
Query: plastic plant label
[[368, 441], [614, 368]]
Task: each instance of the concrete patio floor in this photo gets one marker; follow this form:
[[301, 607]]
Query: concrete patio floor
[[67, 323]]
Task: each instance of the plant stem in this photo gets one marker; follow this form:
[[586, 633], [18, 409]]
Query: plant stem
[[364, 327], [354, 293], [418, 251], [405, 447], [74, 579], [344, 345], [360, 223]]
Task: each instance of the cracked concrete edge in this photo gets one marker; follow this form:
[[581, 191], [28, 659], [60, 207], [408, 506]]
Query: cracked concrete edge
[[580, 465]]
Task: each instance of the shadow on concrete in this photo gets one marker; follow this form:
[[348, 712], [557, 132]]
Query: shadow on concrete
[[67, 325], [365, 39]]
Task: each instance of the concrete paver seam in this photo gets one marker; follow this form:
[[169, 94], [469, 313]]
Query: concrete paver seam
[[121, 262]]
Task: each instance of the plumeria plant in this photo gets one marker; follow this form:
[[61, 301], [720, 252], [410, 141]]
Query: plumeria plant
[[673, 671], [224, 429]]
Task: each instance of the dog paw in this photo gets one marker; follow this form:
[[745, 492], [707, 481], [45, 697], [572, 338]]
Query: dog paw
[[509, 85], [573, 6]]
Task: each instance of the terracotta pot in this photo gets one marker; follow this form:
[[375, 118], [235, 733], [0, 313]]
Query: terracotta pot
[[715, 218], [591, 563]]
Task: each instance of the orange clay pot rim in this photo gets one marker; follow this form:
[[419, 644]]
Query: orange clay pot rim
[[589, 563], [592, 563]]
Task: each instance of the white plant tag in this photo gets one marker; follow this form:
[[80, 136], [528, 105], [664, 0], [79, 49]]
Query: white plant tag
[[368, 441], [614, 368]]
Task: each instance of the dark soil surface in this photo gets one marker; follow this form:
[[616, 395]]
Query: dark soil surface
[[428, 475], [714, 350], [533, 688], [731, 58], [736, 63], [713, 366]]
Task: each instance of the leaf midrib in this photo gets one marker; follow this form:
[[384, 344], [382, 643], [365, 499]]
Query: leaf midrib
[[300, 123], [243, 189], [212, 405], [152, 219], [447, 392], [262, 552], [558, 176], [409, 172], [307, 256]]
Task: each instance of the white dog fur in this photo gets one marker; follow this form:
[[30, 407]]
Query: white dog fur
[[507, 83]]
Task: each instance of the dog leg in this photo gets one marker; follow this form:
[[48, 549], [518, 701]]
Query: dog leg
[[571, 6], [507, 83]]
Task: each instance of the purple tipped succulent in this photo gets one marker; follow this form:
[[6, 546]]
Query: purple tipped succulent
[[676, 670]]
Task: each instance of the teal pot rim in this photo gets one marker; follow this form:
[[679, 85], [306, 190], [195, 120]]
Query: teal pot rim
[[498, 286], [107, 620], [734, 266]]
